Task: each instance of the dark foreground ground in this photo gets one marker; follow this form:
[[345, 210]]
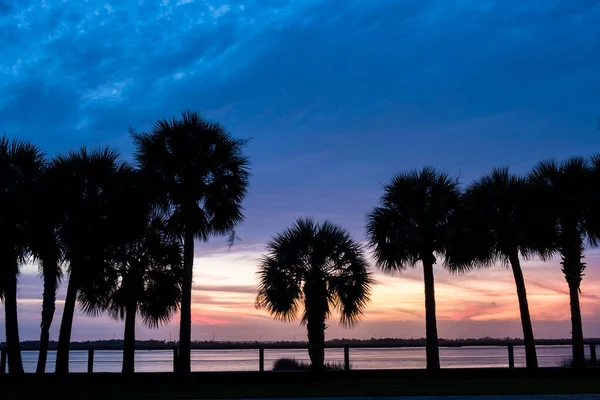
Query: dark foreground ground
[[299, 384]]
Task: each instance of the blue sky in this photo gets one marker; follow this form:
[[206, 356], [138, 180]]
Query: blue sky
[[336, 96]]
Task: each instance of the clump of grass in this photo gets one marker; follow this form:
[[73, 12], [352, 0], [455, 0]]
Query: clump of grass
[[291, 364], [335, 366], [568, 363]]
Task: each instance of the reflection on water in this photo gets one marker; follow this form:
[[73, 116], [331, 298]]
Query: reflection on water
[[247, 360]]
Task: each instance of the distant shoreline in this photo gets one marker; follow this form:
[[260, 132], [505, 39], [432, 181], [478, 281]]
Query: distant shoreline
[[420, 342]]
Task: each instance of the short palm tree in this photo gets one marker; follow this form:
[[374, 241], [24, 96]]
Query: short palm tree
[[414, 223], [93, 182], [502, 219], [316, 268], [47, 249], [21, 164], [569, 193], [149, 265], [201, 178]]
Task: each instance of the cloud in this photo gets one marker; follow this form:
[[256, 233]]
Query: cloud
[[337, 96], [226, 289]]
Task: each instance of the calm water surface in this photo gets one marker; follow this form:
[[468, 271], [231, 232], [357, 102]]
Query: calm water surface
[[247, 360]]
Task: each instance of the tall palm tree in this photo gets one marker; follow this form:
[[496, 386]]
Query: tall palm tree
[[317, 268], [46, 247], [412, 224], [20, 166], [569, 194], [199, 169], [92, 186], [502, 219]]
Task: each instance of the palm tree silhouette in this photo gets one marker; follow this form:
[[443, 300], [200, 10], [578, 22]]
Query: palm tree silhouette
[[319, 268], [568, 191], [20, 166], [502, 218], [201, 177], [412, 224], [149, 266], [47, 249], [93, 183]]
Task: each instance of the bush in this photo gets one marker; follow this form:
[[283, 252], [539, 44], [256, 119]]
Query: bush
[[291, 364], [568, 362]]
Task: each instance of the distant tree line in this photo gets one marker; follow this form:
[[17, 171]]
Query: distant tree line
[[121, 235]]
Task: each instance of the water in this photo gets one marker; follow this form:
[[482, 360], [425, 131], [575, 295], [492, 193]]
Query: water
[[247, 360]]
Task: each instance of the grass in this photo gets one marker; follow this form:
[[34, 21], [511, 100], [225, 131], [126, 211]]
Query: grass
[[341, 387], [291, 364]]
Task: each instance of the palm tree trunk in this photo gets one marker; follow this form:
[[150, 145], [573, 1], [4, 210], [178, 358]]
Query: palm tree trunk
[[572, 251], [316, 340], [576, 327], [185, 322], [13, 344], [432, 343], [530, 352], [64, 336], [48, 308], [129, 339]]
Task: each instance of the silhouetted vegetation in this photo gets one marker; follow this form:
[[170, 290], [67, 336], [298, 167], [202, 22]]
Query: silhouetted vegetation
[[291, 364], [501, 220], [314, 269], [123, 235], [570, 191], [199, 174], [412, 224]]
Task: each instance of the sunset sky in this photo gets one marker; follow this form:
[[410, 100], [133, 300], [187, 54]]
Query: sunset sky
[[336, 96]]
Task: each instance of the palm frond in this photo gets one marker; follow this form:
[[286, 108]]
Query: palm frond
[[279, 289], [162, 294]]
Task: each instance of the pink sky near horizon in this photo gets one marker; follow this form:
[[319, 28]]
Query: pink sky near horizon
[[480, 303]]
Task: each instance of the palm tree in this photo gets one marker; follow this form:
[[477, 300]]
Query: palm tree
[[199, 169], [569, 194], [148, 262], [20, 166], [47, 249], [501, 220], [412, 224], [319, 268], [93, 182]]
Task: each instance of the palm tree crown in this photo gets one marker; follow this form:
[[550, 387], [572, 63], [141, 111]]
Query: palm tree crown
[[198, 169], [413, 220], [314, 269], [502, 215]]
